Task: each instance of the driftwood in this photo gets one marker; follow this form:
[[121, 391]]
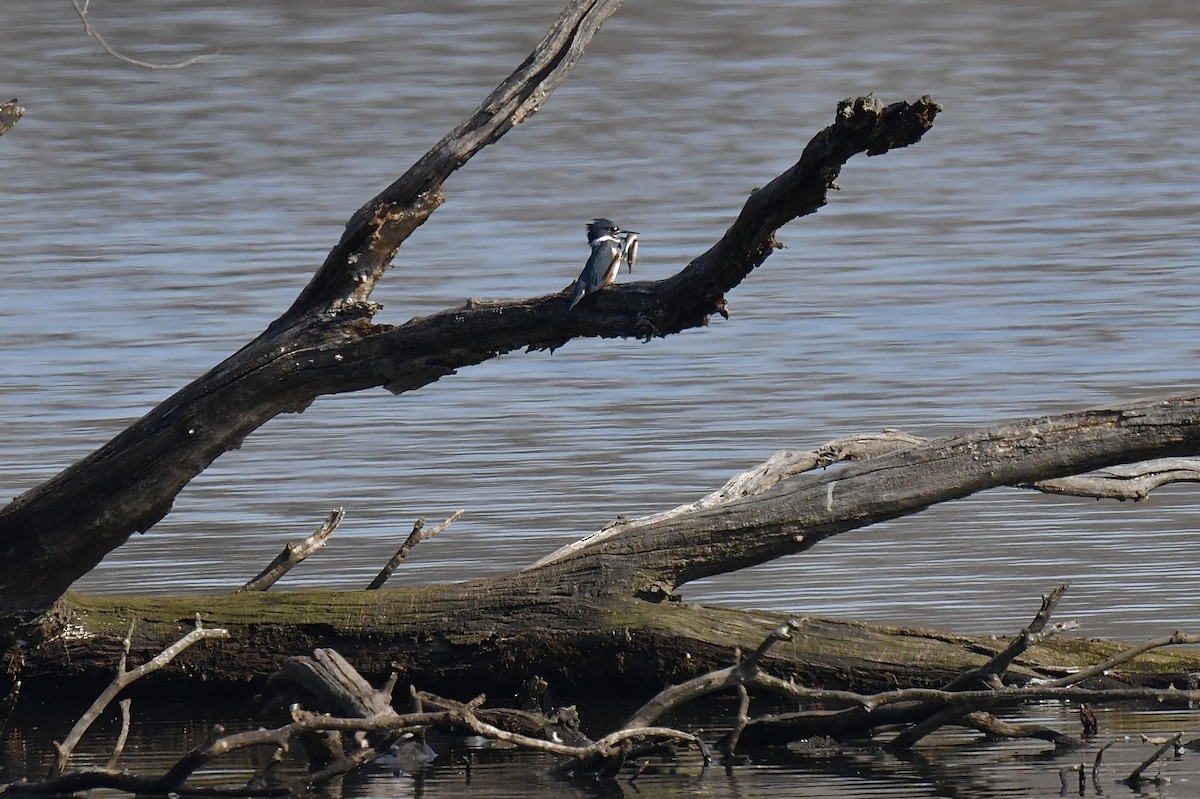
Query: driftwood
[[324, 695], [418, 534], [598, 609]]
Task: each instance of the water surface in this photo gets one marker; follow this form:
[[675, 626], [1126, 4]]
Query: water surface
[[1034, 254]]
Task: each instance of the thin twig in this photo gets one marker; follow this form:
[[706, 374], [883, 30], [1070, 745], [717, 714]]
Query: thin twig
[[293, 554], [1124, 657], [122, 679], [729, 745], [418, 534], [744, 673], [82, 11], [123, 736], [989, 674]]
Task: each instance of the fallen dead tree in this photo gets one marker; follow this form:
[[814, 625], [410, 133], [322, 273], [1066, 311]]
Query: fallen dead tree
[[599, 615], [344, 724]]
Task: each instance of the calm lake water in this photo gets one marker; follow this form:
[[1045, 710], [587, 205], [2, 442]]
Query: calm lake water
[[1036, 253]]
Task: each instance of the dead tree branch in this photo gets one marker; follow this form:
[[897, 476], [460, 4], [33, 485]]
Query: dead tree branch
[[1174, 639], [418, 534], [797, 513], [1124, 481], [742, 673], [293, 554], [920, 711], [325, 343], [122, 679], [990, 675], [1135, 777], [328, 679], [122, 736]]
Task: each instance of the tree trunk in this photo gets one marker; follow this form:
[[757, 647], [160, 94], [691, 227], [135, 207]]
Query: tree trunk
[[493, 637]]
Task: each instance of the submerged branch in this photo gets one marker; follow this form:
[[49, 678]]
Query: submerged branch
[[121, 680]]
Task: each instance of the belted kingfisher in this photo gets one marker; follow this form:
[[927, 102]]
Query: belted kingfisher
[[610, 247]]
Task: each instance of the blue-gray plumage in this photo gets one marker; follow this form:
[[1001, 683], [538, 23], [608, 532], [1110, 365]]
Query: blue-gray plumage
[[610, 246]]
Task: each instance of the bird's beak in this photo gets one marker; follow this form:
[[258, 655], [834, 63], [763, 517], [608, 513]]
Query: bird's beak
[[629, 232]]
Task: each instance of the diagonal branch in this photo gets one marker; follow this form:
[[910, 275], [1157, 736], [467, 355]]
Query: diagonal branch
[[796, 513], [55, 533], [294, 554], [376, 230], [326, 342], [121, 680]]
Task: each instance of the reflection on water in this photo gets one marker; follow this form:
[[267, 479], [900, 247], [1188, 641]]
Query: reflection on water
[[952, 763], [1034, 254]]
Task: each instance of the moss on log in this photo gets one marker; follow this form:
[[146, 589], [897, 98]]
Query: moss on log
[[463, 639]]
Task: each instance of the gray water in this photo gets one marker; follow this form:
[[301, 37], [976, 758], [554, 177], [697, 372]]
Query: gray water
[[1034, 254]]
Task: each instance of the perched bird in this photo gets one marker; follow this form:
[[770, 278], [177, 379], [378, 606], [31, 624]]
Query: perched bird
[[610, 247]]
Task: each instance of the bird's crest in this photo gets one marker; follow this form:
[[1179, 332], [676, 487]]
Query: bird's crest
[[598, 228]]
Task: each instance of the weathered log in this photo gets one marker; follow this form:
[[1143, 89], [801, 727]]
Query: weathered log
[[592, 617], [460, 638]]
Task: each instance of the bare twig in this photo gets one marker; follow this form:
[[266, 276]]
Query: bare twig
[[994, 669], [1135, 777], [82, 11], [122, 737], [729, 744], [466, 713], [1174, 639], [990, 674], [744, 673], [122, 679], [418, 534], [293, 554]]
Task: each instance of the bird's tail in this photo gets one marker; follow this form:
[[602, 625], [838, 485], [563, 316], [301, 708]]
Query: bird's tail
[[580, 290]]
